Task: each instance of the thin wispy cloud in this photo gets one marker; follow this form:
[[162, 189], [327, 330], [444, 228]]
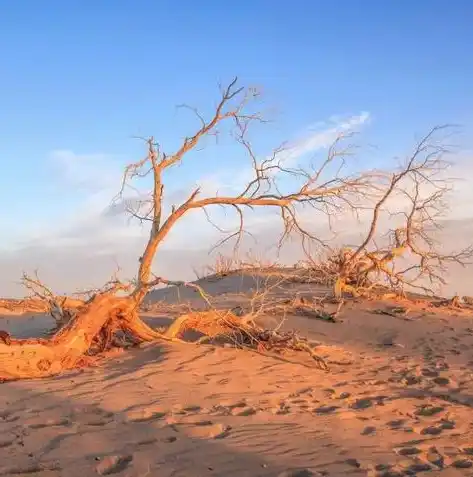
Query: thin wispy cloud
[[99, 175], [91, 172], [312, 140], [324, 137]]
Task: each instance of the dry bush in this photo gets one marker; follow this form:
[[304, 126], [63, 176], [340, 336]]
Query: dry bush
[[327, 271], [258, 261], [223, 266], [227, 264], [412, 259]]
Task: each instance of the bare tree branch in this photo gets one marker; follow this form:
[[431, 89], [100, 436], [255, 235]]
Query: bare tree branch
[[309, 188], [422, 187]]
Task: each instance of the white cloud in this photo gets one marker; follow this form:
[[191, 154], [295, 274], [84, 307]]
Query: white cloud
[[316, 138], [92, 172], [323, 138], [88, 182]]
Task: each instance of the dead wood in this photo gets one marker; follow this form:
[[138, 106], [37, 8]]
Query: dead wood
[[413, 259], [34, 358]]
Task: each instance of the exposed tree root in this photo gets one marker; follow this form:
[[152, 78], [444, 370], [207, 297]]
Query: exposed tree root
[[35, 358], [96, 327], [241, 332]]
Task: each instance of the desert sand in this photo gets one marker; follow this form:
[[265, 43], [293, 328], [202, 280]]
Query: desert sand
[[397, 400]]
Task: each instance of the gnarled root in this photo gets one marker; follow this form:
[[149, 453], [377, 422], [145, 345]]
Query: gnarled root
[[34, 358], [96, 323], [242, 333]]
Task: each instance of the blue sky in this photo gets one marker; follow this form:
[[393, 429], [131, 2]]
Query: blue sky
[[82, 77]]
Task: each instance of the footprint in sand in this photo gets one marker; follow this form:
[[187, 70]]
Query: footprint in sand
[[282, 409], [435, 430], [8, 417], [144, 415], [441, 381], [113, 464], [197, 422], [301, 392], [188, 409], [208, 430], [299, 473], [92, 416], [402, 468], [239, 408], [416, 467], [97, 422], [467, 450], [243, 411], [147, 442], [408, 451], [352, 462], [447, 424], [325, 409], [301, 403], [329, 392], [49, 423], [428, 410], [31, 468], [364, 403], [429, 373], [462, 464], [431, 431], [6, 442], [298, 401], [368, 431], [411, 380], [192, 408], [397, 424]]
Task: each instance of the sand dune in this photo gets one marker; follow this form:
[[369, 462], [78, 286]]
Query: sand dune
[[397, 401]]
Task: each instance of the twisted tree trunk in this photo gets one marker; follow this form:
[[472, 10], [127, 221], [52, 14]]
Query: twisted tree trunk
[[35, 358]]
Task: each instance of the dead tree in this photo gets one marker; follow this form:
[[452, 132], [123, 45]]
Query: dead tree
[[413, 259], [114, 309]]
